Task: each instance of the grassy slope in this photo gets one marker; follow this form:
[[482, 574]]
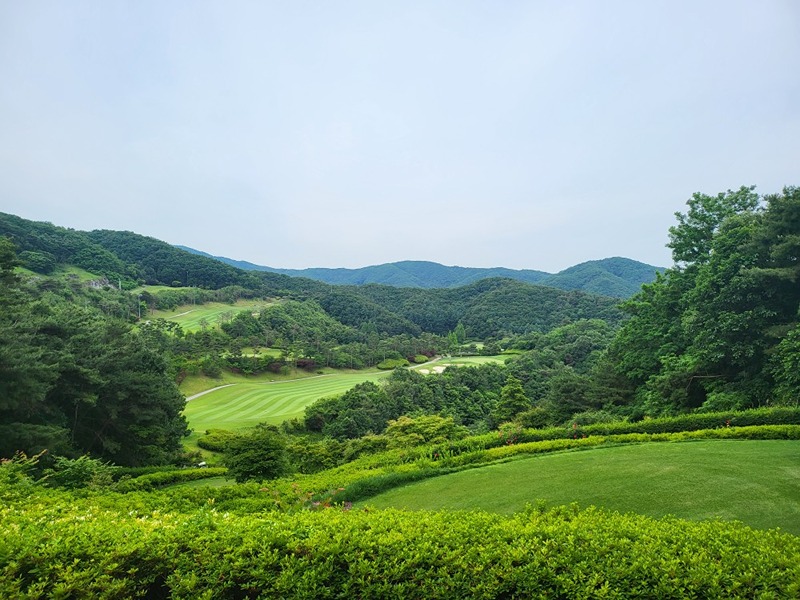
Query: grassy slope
[[189, 316], [757, 482], [248, 404], [470, 361], [265, 398]]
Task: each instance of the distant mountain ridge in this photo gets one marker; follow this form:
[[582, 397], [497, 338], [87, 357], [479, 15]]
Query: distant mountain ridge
[[616, 277], [493, 307]]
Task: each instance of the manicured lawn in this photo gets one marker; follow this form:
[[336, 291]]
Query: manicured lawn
[[191, 317], [194, 384], [458, 361], [757, 482], [247, 404]]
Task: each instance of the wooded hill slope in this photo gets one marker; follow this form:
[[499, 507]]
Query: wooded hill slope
[[491, 307], [617, 277]]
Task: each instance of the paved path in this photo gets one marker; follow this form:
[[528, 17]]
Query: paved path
[[209, 391]]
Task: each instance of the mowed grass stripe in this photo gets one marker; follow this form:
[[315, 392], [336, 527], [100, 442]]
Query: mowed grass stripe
[[257, 407], [245, 405], [276, 407], [237, 405], [239, 398], [755, 481]]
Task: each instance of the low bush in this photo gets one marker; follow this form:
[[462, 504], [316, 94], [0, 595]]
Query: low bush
[[215, 440], [132, 472], [689, 422], [694, 421], [392, 363], [164, 478]]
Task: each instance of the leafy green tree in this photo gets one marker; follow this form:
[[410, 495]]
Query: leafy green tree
[[786, 368], [412, 431], [259, 454], [568, 393], [24, 377], [40, 262], [691, 239], [512, 401], [460, 333], [708, 334]]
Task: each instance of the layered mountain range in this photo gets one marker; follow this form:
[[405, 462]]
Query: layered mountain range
[[616, 277]]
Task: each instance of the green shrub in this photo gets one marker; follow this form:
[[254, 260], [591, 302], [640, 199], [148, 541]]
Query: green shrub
[[215, 440], [695, 421], [258, 454], [132, 472], [81, 472], [392, 363]]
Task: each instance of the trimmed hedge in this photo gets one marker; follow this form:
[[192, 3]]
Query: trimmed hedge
[[392, 363], [510, 434], [694, 421], [90, 551], [161, 479]]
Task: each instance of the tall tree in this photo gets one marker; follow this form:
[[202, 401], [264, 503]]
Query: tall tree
[[702, 336], [512, 401]]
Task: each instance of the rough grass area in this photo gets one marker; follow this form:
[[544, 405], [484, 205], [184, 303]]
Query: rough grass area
[[757, 482]]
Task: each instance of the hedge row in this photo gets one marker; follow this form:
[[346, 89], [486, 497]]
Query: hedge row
[[373, 474], [689, 422], [87, 551], [161, 479], [784, 415]]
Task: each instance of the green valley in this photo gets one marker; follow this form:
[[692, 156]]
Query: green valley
[[186, 428]]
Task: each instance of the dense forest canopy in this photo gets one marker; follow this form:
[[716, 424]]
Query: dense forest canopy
[[73, 380], [719, 329]]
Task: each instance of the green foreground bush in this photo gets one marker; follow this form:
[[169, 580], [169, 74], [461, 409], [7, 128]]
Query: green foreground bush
[[88, 550]]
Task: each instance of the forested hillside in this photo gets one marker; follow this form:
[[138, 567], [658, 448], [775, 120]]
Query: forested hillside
[[78, 376], [89, 391], [495, 308], [75, 378], [617, 277]]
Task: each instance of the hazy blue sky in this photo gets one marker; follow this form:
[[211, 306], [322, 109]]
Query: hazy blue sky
[[298, 134]]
